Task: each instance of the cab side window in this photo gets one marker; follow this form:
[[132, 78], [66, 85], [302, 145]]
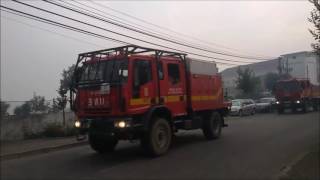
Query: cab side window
[[141, 74], [174, 73]]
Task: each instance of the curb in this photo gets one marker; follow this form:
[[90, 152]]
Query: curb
[[286, 168], [41, 151]]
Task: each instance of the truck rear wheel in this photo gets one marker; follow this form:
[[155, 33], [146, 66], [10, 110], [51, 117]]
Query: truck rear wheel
[[102, 144], [157, 141], [212, 126]]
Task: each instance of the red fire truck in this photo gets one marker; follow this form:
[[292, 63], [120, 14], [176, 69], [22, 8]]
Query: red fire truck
[[296, 94], [132, 92]]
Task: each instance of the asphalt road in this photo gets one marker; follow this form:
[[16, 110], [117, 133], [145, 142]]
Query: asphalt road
[[252, 147]]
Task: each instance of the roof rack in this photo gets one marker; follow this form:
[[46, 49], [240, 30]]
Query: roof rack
[[132, 49]]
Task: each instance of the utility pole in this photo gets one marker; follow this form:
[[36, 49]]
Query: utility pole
[[307, 71], [279, 65], [63, 112]]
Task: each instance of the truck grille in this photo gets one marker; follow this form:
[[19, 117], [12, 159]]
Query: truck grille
[[101, 125], [285, 99]]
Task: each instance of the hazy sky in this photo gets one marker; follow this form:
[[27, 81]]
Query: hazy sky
[[33, 57]]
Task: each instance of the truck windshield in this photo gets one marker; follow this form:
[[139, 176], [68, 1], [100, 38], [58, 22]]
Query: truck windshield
[[289, 86], [109, 71]]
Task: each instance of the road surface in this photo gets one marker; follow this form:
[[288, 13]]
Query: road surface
[[252, 147]]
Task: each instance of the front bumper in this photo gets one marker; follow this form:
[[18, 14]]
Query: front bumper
[[234, 112], [119, 127], [290, 104]]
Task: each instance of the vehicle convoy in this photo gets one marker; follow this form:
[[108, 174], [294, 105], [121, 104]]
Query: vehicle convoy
[[296, 94], [138, 93]]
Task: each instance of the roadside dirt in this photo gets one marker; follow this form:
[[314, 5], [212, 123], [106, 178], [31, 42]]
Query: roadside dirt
[[306, 168]]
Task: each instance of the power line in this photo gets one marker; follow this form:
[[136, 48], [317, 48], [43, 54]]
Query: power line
[[161, 27], [44, 20], [85, 23], [60, 24], [168, 36], [142, 32], [134, 26], [49, 31]]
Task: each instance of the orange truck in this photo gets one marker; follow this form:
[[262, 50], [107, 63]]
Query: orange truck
[[138, 93], [294, 93]]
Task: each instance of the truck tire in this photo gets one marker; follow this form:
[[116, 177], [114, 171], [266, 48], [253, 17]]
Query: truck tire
[[157, 140], [280, 110], [212, 126], [102, 144]]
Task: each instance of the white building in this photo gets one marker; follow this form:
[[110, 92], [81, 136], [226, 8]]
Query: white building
[[302, 65]]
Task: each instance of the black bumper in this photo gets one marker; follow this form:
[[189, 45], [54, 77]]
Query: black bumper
[[291, 105], [107, 127]]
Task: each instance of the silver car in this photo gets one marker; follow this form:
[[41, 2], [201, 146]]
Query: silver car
[[266, 104], [242, 107]]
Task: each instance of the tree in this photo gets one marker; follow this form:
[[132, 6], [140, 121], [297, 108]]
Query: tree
[[270, 80], [315, 19], [65, 85], [38, 104], [4, 108], [247, 82], [35, 105], [23, 111]]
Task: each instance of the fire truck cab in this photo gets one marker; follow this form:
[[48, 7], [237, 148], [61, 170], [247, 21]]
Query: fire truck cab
[[133, 92], [294, 93]]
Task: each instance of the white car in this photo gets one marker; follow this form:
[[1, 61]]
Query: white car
[[242, 107]]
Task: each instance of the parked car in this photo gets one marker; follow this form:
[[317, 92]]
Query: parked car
[[266, 104], [242, 107]]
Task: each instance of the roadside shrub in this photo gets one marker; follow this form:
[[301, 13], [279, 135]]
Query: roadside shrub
[[70, 131], [57, 130], [53, 130], [32, 135]]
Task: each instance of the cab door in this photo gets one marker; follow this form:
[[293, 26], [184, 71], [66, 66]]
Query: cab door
[[143, 86], [173, 87]]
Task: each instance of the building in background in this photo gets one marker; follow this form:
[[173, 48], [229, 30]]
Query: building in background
[[260, 69], [299, 65], [304, 65]]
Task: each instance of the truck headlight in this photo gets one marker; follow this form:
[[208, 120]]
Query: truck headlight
[[77, 124], [277, 102], [298, 102], [121, 124]]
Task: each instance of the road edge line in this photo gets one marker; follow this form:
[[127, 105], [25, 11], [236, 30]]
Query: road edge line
[[40, 151]]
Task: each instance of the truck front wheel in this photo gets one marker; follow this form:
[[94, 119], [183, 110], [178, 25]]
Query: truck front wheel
[[212, 126], [158, 140], [102, 144]]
